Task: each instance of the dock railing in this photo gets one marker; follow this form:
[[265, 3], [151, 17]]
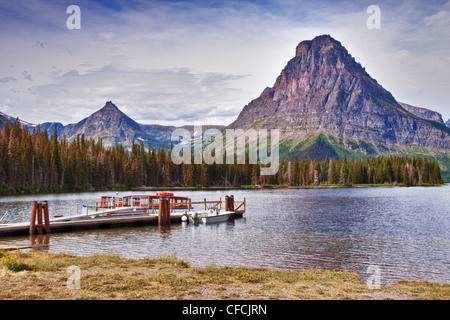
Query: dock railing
[[153, 206], [219, 204]]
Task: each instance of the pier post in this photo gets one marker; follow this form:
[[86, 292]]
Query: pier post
[[167, 219], [39, 225], [33, 217], [231, 201], [164, 211], [40, 211], [227, 203], [46, 216]]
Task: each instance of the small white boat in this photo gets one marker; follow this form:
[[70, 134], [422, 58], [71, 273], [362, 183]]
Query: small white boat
[[212, 215]]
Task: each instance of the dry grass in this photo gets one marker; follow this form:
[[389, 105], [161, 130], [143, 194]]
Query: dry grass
[[37, 275]]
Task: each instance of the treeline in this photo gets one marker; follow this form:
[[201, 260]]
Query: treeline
[[393, 170], [35, 162]]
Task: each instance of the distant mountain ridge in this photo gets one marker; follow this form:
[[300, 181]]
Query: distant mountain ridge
[[114, 126], [6, 118], [111, 125], [423, 113]]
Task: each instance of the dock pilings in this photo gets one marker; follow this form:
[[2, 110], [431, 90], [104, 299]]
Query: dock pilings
[[164, 211], [39, 211], [229, 203]]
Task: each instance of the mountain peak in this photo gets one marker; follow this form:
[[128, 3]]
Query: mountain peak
[[108, 123], [109, 106], [316, 43], [323, 90]]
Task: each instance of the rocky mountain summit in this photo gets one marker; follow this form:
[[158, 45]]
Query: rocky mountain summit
[[324, 91], [111, 125], [108, 123], [114, 127]]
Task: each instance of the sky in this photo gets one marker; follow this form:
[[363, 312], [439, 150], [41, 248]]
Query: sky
[[200, 62]]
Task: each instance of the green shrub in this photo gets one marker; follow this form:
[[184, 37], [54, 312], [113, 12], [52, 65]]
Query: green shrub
[[12, 263]]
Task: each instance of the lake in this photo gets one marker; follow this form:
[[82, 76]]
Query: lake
[[404, 232]]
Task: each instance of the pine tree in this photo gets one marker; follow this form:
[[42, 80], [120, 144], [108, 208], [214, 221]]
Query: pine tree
[[255, 174], [343, 176], [204, 177]]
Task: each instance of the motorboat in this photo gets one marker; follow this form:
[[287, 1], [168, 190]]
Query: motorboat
[[212, 215]]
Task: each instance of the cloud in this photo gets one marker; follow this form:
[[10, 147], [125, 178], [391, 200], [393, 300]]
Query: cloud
[[148, 96], [439, 19], [26, 75], [187, 61], [8, 79], [40, 44]]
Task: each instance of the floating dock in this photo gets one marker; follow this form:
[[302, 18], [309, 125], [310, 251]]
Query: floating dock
[[112, 212], [97, 223]]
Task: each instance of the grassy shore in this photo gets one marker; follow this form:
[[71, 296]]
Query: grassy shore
[[37, 275]]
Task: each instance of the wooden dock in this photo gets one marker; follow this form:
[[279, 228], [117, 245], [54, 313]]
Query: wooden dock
[[98, 223], [108, 218]]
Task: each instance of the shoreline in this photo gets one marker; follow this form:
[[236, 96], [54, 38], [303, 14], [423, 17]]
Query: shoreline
[[213, 188], [35, 275]]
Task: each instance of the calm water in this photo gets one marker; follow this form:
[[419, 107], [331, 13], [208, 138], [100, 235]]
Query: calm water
[[403, 231]]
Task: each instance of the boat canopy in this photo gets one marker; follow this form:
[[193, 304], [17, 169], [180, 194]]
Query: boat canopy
[[140, 200]]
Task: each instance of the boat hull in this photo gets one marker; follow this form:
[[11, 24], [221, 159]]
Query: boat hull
[[211, 216], [215, 219]]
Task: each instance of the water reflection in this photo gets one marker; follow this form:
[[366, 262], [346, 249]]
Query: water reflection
[[40, 240]]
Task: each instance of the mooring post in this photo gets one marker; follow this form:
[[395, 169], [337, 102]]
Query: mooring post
[[39, 224], [46, 216], [231, 200], [33, 217], [226, 203], [167, 220], [161, 211], [164, 211], [205, 204]]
